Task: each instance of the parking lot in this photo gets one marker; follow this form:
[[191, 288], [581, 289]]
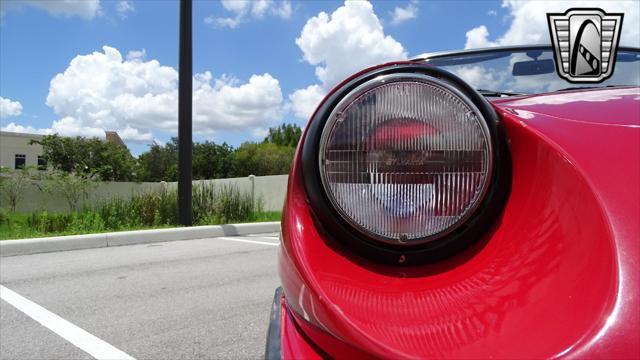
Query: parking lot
[[196, 299]]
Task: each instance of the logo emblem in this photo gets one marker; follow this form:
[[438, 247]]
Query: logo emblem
[[585, 42]]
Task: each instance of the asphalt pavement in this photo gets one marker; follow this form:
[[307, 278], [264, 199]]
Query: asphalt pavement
[[194, 299]]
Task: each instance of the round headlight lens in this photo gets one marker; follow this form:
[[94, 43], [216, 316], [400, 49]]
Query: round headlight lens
[[405, 158]]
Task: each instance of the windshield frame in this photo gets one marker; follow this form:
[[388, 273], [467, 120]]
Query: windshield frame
[[426, 57], [432, 58]]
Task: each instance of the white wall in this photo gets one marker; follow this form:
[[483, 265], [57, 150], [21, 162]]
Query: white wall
[[271, 189]]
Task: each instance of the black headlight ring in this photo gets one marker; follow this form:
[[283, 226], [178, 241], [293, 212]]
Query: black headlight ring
[[344, 235]]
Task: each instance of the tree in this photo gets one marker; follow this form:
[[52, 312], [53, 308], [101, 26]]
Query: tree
[[262, 159], [14, 183], [72, 186], [109, 161], [160, 163], [212, 161], [284, 135]]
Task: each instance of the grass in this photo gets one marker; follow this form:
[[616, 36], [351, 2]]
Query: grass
[[267, 216], [151, 210], [17, 226]]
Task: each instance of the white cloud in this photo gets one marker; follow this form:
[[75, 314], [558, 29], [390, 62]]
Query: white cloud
[[226, 104], [86, 9], [304, 101], [348, 40], [101, 91], [402, 14], [124, 7], [139, 55], [478, 37], [283, 11], [259, 7], [244, 10], [529, 22], [131, 134], [492, 13], [69, 126], [260, 133], [231, 23], [478, 76], [236, 6], [13, 127], [9, 108]]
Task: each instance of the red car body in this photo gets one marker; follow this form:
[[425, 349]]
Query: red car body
[[558, 274]]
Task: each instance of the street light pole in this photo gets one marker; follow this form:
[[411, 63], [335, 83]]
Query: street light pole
[[185, 141]]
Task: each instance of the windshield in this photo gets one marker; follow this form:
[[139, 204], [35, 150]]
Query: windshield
[[529, 70]]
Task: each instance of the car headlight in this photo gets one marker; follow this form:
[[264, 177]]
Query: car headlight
[[405, 158], [405, 163]]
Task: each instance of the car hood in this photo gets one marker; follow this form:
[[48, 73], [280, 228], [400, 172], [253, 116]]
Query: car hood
[[597, 133], [612, 106]]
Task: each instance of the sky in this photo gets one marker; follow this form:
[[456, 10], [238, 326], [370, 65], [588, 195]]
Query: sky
[[79, 67]]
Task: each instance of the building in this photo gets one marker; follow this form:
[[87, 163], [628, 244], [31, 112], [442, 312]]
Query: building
[[112, 136], [16, 152]]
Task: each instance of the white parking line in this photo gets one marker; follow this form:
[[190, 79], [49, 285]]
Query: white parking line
[[88, 343], [267, 236], [248, 241]]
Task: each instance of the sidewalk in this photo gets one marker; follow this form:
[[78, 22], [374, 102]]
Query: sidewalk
[[121, 238]]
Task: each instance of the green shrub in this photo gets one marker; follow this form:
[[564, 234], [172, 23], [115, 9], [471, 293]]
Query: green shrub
[[116, 213], [222, 204], [211, 205], [156, 207], [234, 205], [14, 184], [86, 222], [45, 222], [203, 201]]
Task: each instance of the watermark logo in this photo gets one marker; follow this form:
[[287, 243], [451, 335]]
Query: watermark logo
[[585, 42]]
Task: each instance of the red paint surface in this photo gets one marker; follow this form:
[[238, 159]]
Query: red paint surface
[[302, 340], [559, 275], [294, 344]]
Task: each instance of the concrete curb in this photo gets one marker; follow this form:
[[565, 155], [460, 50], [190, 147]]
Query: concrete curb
[[121, 238]]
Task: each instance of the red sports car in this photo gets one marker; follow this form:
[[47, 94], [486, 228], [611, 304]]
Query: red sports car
[[466, 205]]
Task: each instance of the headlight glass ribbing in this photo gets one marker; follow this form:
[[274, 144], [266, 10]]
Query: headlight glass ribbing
[[405, 158]]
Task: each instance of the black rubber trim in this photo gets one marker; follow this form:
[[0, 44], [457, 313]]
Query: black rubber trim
[[345, 236], [273, 350]]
